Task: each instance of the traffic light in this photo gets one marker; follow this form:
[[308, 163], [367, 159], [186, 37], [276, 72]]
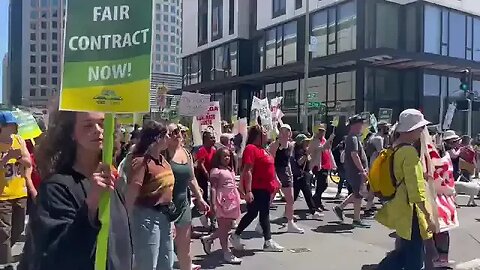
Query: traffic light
[[465, 80]]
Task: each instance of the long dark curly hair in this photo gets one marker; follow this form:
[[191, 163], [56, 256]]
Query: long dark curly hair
[[57, 149]]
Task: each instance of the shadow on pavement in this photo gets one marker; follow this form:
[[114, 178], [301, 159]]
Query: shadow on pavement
[[334, 227], [215, 259], [369, 267]]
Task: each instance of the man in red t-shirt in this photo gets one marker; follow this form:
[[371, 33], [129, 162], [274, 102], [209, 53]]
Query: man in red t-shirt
[[204, 165]]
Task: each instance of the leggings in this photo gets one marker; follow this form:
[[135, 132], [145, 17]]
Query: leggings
[[303, 184], [259, 207]]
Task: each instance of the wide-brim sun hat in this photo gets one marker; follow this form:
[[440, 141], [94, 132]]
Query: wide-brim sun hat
[[410, 120], [450, 135]]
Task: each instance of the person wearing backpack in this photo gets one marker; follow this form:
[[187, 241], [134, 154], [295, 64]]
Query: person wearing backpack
[[406, 212], [356, 171]]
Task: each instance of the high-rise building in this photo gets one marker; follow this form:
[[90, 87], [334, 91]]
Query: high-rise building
[[167, 47], [364, 55], [5, 80], [15, 41], [35, 49]]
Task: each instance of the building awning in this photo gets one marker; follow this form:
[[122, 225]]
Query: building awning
[[382, 58]]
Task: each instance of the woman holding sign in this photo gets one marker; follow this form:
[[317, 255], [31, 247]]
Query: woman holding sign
[[65, 224]]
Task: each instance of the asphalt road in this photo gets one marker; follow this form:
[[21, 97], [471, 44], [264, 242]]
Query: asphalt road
[[332, 245]]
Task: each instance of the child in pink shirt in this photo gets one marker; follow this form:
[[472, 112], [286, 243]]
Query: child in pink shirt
[[225, 203]]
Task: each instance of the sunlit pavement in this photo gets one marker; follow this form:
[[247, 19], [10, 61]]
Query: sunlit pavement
[[330, 245]]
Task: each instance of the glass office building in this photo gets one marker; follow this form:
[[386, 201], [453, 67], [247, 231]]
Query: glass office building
[[365, 55]]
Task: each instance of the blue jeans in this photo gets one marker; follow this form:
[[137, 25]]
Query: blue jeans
[[152, 240], [409, 255]]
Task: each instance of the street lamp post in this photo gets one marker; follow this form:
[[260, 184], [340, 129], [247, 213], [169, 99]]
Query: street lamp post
[[304, 94]]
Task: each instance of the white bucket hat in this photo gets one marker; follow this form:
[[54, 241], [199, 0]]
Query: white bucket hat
[[450, 135], [409, 120]]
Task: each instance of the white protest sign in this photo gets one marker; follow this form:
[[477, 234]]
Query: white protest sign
[[210, 121], [276, 113], [260, 108], [449, 116], [193, 104]]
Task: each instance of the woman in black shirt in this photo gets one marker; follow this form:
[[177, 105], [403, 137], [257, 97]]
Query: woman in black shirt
[[65, 224]]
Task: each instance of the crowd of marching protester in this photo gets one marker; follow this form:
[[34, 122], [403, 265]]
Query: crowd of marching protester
[[159, 182]]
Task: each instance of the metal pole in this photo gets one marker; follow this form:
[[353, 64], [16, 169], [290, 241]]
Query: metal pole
[[469, 117], [304, 108]]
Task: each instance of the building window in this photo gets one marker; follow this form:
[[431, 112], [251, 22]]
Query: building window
[[165, 18], [43, 70], [281, 45], [387, 27], [347, 27], [33, 26], [54, 69], [469, 52], [165, 7], [433, 32], [202, 21], [332, 34], [54, 25], [172, 29], [43, 92], [32, 48], [172, 19], [44, 3], [165, 68], [219, 63], [319, 33], [290, 42], [217, 19], [55, 14], [33, 81], [54, 36], [43, 81], [476, 39], [43, 47], [158, 7], [445, 28], [54, 3], [54, 58], [33, 92], [172, 39], [231, 17], [32, 37], [456, 41], [33, 59], [54, 80], [233, 59], [165, 38], [172, 9], [32, 70], [54, 47], [270, 41], [298, 4], [43, 59], [279, 7], [43, 25], [44, 36]]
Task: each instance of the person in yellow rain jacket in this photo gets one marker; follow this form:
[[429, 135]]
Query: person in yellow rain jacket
[[407, 212], [15, 165]]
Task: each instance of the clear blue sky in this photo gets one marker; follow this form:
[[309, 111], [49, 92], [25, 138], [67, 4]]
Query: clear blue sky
[[3, 35]]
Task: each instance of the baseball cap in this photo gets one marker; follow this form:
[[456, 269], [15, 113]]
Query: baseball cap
[[301, 138], [286, 126], [7, 118]]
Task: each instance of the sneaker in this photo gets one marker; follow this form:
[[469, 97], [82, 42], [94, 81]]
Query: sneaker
[[293, 228], [360, 224], [207, 244], [258, 228], [228, 257], [204, 221], [339, 212], [236, 242], [196, 267], [317, 215], [272, 246]]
